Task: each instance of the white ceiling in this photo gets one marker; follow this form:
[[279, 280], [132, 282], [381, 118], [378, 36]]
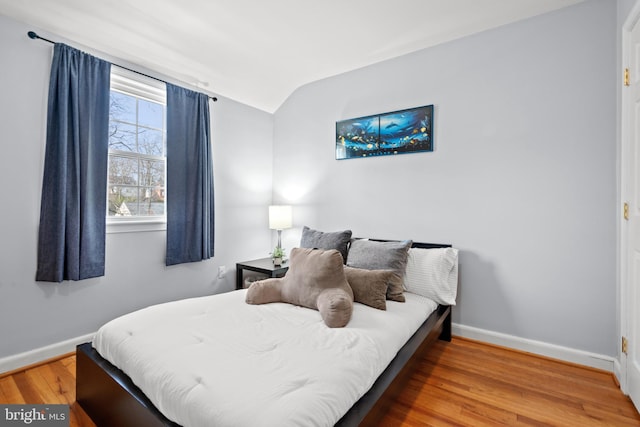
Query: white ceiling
[[259, 51]]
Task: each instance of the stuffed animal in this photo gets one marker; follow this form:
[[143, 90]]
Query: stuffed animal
[[316, 280]]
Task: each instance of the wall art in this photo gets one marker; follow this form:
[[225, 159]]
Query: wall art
[[396, 132]]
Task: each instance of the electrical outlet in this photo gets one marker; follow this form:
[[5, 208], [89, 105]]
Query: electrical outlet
[[221, 271]]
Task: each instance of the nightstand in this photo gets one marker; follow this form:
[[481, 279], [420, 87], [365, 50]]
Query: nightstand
[[263, 265]]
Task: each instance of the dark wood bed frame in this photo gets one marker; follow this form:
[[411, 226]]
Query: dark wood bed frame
[[110, 398]]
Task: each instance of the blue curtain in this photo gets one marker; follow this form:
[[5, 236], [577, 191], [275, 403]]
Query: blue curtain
[[71, 239], [190, 216]]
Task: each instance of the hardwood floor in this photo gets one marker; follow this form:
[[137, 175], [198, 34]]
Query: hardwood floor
[[49, 383], [462, 383], [474, 384]]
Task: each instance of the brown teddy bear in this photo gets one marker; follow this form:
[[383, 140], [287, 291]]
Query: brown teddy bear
[[316, 280]]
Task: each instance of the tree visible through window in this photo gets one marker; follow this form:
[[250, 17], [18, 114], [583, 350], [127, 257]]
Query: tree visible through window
[[137, 159]]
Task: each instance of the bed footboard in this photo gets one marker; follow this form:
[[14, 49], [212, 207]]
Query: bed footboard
[[109, 397]]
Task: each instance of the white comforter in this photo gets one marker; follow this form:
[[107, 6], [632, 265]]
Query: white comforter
[[217, 361]]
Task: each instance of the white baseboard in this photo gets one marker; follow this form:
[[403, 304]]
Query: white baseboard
[[566, 354], [41, 354]]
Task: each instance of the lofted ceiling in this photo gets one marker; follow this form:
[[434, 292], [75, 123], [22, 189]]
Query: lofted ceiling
[[259, 51]]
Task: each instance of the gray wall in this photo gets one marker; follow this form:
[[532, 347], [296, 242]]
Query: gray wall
[[34, 315], [522, 179]]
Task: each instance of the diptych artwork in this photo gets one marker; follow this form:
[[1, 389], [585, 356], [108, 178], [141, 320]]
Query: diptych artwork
[[397, 132]]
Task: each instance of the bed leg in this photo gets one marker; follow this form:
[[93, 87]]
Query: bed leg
[[445, 335]]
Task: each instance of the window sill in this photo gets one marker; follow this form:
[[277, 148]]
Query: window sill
[[135, 226]]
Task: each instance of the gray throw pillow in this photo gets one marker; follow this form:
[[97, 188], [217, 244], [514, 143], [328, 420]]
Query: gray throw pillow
[[372, 255], [315, 239]]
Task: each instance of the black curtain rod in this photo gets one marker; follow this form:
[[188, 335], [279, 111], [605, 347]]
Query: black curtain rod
[[33, 35]]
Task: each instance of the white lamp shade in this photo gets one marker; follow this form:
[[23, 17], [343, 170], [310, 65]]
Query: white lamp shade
[[280, 217]]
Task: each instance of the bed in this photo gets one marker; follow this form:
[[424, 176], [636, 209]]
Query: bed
[[111, 397]]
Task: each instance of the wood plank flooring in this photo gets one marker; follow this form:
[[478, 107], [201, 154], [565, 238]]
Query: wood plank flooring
[[49, 383], [462, 383], [475, 384]]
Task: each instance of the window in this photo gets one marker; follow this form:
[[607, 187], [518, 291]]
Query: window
[[137, 149]]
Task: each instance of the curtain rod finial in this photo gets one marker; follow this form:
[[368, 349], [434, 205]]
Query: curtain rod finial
[[32, 35]]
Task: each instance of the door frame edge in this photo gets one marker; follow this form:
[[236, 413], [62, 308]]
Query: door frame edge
[[620, 363]]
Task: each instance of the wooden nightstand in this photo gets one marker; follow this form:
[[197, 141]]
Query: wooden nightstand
[[263, 265]]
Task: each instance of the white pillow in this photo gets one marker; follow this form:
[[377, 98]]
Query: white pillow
[[433, 273]]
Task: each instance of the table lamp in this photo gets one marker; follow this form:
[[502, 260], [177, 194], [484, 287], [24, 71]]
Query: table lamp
[[280, 218]]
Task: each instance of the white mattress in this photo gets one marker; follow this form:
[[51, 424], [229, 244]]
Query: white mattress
[[219, 361]]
